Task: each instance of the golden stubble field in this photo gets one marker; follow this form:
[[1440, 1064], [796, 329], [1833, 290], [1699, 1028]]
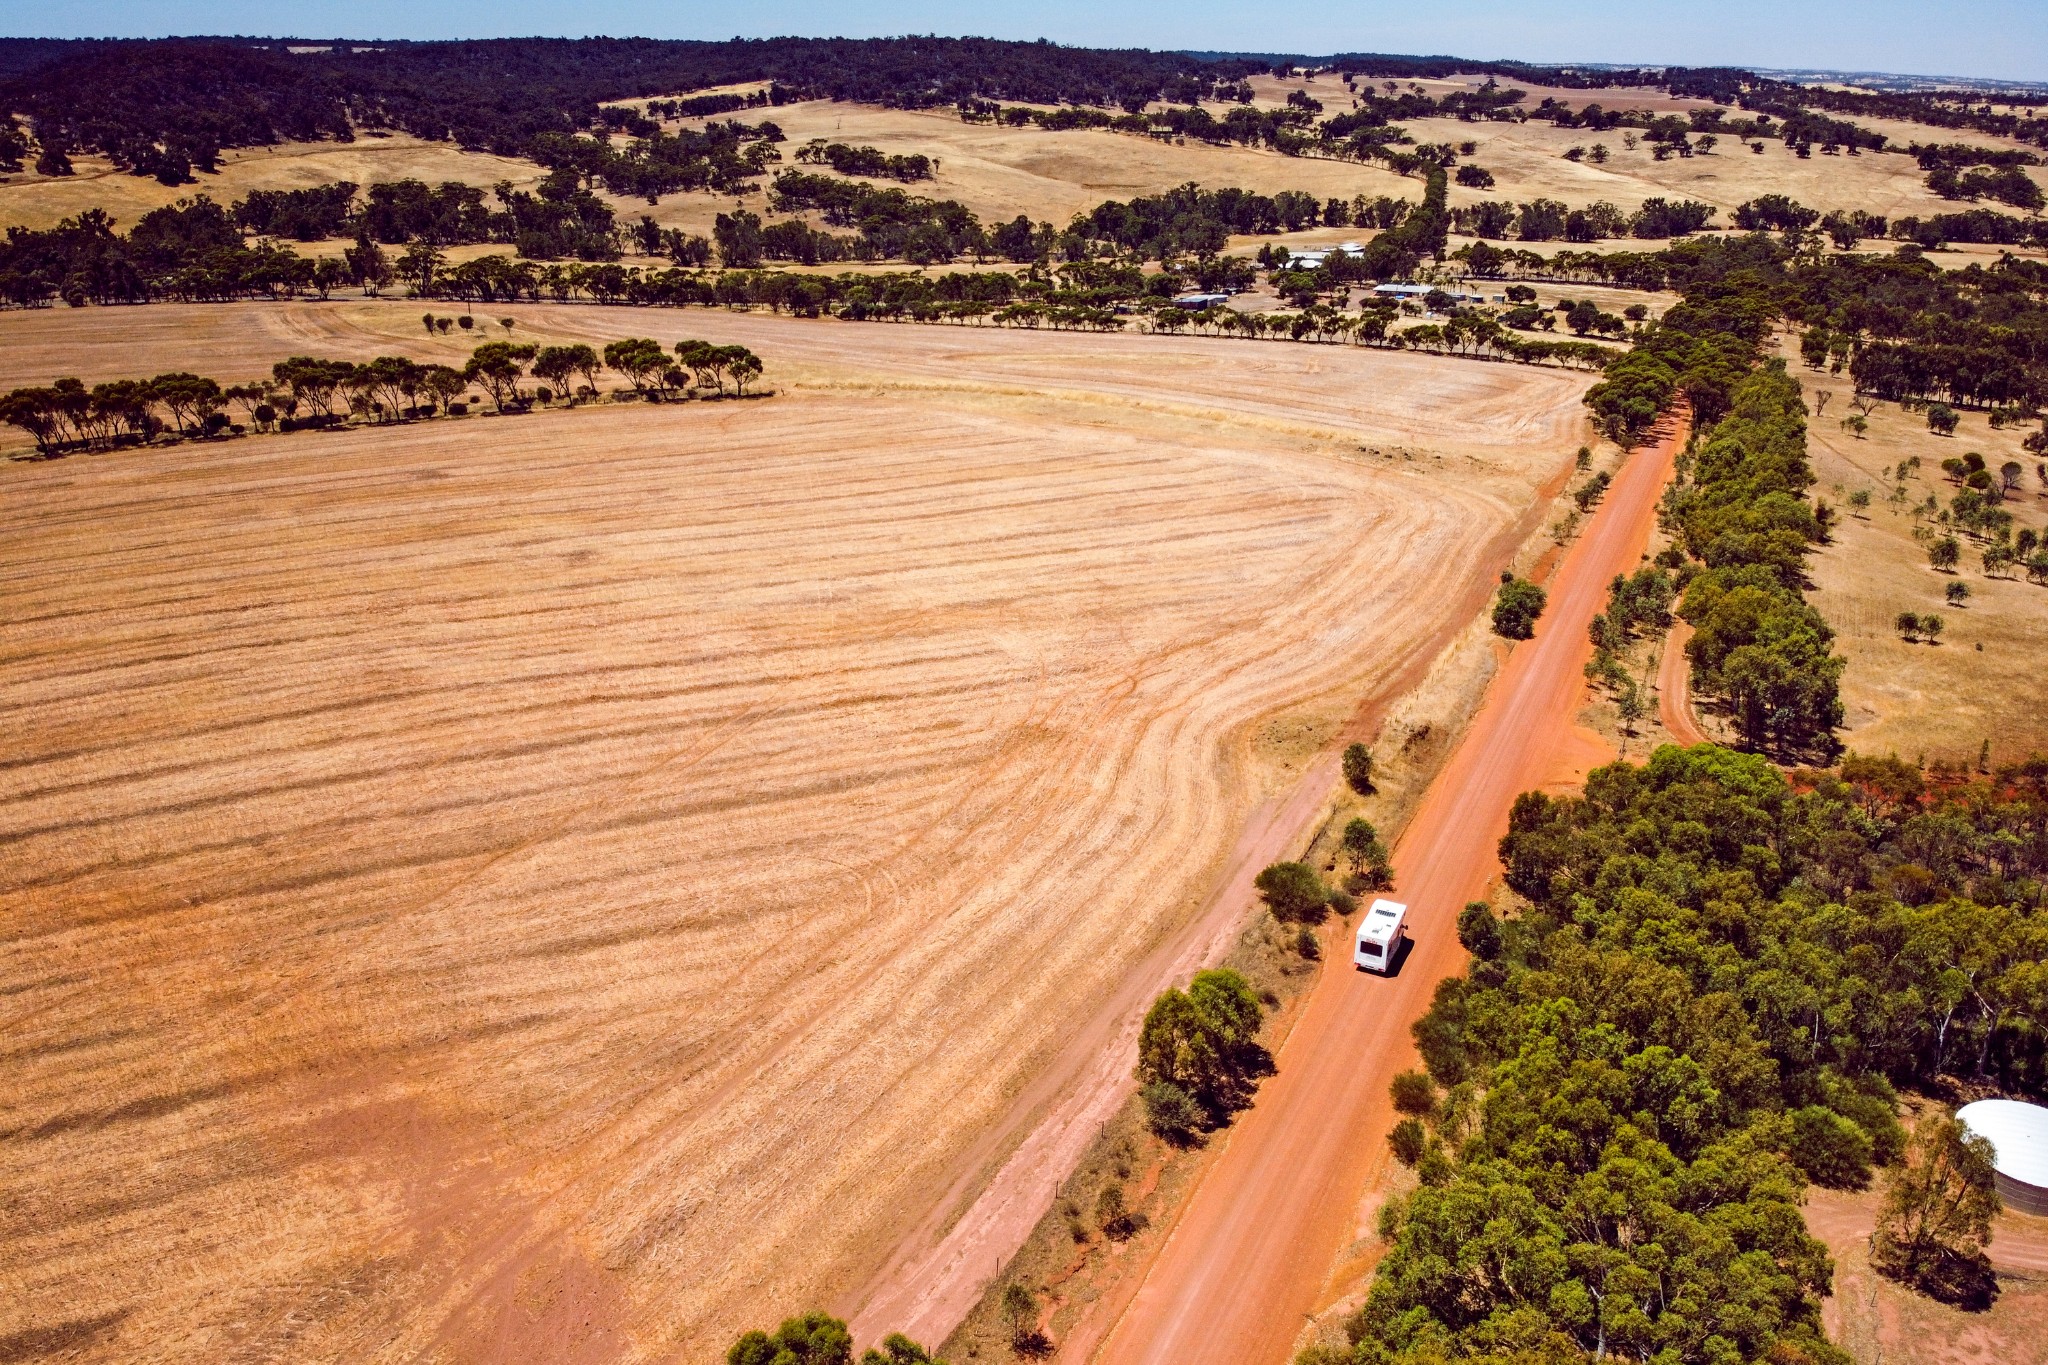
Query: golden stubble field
[[1983, 681], [39, 202], [1000, 172], [571, 887], [1527, 159]]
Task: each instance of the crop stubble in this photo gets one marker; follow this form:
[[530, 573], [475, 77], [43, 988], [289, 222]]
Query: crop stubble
[[567, 887]]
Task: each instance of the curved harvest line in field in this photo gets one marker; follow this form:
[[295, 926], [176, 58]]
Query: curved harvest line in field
[[570, 887]]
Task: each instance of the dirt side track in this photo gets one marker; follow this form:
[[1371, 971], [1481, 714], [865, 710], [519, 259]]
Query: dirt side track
[[569, 887], [1248, 1258]]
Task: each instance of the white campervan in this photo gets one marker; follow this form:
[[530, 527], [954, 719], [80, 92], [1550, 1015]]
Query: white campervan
[[1379, 936]]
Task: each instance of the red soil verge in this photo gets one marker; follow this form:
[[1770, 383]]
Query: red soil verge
[[1251, 1254]]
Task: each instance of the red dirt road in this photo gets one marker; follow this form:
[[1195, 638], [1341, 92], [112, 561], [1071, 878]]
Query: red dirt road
[[1674, 688], [1251, 1253], [937, 1273]]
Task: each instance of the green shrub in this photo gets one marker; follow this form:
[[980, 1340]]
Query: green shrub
[[813, 1339], [1408, 1139], [1479, 931], [1414, 1092], [1516, 608], [1357, 763], [1169, 1110], [1830, 1149], [1293, 892]]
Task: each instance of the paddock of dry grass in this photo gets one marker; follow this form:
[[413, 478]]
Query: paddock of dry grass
[[568, 886], [1983, 681]]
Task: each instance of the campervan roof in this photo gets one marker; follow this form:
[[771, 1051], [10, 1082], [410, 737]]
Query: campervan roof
[[1381, 922]]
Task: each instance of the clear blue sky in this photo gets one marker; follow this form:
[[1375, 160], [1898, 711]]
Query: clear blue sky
[[1994, 38]]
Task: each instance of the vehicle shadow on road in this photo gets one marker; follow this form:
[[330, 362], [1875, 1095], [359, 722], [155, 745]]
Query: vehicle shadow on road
[[1401, 952]]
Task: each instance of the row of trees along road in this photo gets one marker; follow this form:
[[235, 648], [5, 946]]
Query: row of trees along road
[[307, 392], [1722, 972], [817, 1338], [1742, 522], [1199, 1058]]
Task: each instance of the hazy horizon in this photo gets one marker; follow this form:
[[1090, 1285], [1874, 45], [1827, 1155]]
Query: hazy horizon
[[2003, 40]]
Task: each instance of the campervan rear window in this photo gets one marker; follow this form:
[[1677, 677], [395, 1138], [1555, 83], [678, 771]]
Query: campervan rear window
[[1369, 949]]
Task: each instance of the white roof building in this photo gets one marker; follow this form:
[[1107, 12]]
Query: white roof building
[[1416, 291], [1309, 257], [2018, 1134]]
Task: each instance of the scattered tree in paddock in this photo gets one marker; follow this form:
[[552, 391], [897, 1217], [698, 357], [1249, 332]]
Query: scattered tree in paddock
[[1516, 608], [1357, 764], [1936, 1218]]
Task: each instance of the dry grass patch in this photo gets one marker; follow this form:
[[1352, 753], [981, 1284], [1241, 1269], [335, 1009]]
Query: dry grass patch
[[1527, 159], [1984, 679], [40, 202], [1000, 172]]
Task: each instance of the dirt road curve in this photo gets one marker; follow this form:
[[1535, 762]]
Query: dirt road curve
[[1674, 688], [1248, 1257]]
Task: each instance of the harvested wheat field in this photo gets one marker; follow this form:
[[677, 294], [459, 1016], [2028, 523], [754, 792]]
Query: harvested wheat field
[[1982, 681], [1527, 159], [40, 201], [1000, 172], [570, 887]]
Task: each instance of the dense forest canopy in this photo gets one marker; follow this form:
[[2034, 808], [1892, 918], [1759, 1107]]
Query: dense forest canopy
[[1720, 975]]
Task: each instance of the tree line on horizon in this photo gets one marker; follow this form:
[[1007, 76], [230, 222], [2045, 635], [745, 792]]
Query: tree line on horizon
[[308, 393], [168, 108]]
